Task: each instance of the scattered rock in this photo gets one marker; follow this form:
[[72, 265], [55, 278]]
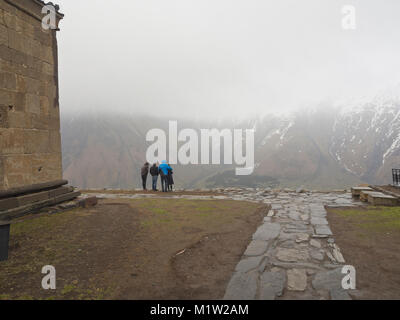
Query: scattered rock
[[88, 202]]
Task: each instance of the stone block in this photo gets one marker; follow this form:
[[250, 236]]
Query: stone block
[[8, 80], [47, 69], [46, 167], [32, 198], [11, 141], [5, 53], [16, 40], [44, 105], [19, 120], [47, 54], [17, 170], [36, 141], [2, 186], [36, 49], [380, 199], [32, 86], [33, 103], [3, 116], [40, 121], [60, 191], [7, 204], [19, 101], [9, 19], [356, 191], [34, 207], [33, 188], [54, 141], [6, 98], [54, 124]]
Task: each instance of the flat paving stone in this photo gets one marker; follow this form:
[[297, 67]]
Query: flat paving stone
[[248, 264], [339, 294], [292, 255], [304, 217], [319, 221], [323, 230], [315, 243], [328, 280], [317, 255], [272, 285], [302, 237], [242, 286], [256, 248], [267, 231], [294, 215], [297, 279], [289, 247]]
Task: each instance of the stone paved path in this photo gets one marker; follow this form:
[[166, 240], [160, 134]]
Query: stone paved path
[[293, 254]]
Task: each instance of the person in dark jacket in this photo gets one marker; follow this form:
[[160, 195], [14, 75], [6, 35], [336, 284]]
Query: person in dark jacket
[[163, 169], [144, 172], [170, 178], [154, 175]]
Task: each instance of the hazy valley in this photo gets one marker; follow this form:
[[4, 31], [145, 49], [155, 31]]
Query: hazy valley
[[328, 146]]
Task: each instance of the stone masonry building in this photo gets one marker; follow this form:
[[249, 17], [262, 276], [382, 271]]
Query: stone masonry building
[[30, 142]]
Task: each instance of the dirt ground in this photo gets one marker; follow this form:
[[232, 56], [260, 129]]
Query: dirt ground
[[157, 193], [369, 239], [131, 249]]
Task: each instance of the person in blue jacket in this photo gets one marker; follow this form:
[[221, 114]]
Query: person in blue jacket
[[163, 168]]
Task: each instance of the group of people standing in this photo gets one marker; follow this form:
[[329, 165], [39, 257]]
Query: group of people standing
[[164, 170]]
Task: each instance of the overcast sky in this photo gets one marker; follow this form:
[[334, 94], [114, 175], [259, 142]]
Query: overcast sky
[[216, 57]]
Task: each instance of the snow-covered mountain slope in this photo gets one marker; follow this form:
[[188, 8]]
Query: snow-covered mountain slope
[[366, 139]]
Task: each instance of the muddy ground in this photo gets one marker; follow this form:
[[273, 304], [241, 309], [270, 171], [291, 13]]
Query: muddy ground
[[369, 239], [131, 249]]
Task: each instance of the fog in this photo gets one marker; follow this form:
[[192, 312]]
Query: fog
[[214, 58]]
